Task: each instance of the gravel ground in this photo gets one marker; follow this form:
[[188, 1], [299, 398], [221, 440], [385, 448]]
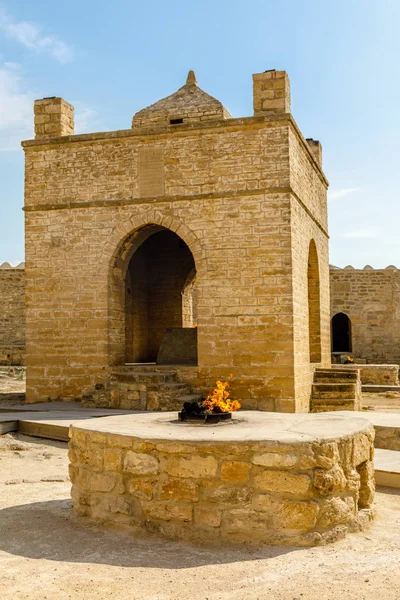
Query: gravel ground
[[47, 553]]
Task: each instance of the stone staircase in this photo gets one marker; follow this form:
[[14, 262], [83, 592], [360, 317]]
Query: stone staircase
[[335, 389], [141, 387]]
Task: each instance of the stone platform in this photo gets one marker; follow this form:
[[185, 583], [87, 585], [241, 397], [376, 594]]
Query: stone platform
[[288, 479]]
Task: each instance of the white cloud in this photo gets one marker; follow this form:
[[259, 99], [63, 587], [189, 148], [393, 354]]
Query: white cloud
[[30, 35], [343, 192], [84, 118], [369, 232], [16, 108]]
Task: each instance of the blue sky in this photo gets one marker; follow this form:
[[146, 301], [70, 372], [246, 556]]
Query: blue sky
[[112, 59]]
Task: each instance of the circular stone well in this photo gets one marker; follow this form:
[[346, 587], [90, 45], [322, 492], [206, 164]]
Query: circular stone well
[[290, 479]]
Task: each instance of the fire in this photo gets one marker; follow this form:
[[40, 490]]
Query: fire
[[219, 399]]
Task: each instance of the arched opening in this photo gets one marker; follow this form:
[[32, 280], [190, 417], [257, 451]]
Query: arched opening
[[341, 333], [150, 275], [314, 312]]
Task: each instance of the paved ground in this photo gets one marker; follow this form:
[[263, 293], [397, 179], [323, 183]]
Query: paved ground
[[46, 553], [383, 402]]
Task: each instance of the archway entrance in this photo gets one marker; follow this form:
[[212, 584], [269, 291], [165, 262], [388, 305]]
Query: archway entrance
[[158, 271], [341, 333]]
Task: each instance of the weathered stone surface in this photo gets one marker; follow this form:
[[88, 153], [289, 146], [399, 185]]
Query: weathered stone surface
[[326, 455], [280, 481], [112, 459], [168, 511], [100, 482], [179, 490], [210, 517], [243, 521], [367, 484], [193, 466], [153, 402], [228, 495], [140, 464], [73, 472], [329, 481], [362, 449], [119, 504], [296, 515], [335, 510], [142, 488], [235, 471], [274, 460]]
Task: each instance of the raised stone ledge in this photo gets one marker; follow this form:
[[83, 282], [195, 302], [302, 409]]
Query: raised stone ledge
[[264, 478], [374, 374]]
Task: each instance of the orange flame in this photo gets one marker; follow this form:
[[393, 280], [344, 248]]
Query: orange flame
[[219, 397]]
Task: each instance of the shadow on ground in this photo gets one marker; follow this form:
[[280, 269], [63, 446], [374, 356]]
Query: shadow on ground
[[50, 530]]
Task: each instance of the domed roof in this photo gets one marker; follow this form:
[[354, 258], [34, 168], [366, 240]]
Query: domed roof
[[187, 105]]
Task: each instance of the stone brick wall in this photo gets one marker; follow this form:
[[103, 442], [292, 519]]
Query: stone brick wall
[[12, 319], [371, 299], [228, 189]]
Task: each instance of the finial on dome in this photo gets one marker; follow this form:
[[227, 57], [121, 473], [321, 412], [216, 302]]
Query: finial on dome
[[191, 78]]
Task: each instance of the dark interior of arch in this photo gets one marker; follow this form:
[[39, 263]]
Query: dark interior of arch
[[155, 281], [341, 333]]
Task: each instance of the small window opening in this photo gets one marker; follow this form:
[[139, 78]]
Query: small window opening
[[175, 121]]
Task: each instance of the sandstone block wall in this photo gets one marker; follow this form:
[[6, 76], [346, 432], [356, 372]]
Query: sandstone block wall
[[259, 492], [371, 299], [12, 316]]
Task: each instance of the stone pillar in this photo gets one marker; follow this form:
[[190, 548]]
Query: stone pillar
[[316, 150], [271, 93], [54, 117]]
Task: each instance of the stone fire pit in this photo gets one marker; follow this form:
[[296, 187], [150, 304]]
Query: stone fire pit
[[262, 477]]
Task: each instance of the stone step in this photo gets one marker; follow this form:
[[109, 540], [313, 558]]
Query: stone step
[[145, 377], [334, 390], [387, 468], [335, 376], [372, 388], [153, 367], [323, 406]]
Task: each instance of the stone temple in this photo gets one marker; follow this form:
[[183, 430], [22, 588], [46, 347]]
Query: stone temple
[[187, 248], [191, 248]]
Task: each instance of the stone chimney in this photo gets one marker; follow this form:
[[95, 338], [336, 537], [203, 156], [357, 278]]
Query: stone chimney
[[271, 93], [53, 118], [316, 150]]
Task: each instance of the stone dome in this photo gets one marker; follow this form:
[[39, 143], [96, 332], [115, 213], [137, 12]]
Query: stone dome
[[189, 104]]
